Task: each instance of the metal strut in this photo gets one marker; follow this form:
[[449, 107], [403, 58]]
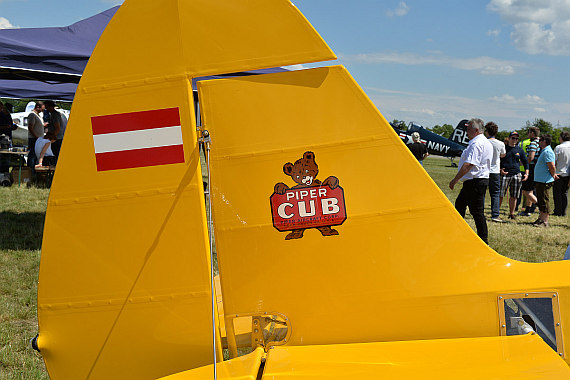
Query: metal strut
[[205, 141]]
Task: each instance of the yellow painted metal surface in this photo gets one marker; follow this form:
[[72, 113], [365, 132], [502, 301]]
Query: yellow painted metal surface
[[156, 40], [241, 326], [124, 268], [124, 289], [242, 368], [499, 358], [404, 265], [124, 278]]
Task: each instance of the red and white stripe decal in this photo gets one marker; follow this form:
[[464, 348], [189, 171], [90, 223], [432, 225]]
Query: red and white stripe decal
[[138, 139]]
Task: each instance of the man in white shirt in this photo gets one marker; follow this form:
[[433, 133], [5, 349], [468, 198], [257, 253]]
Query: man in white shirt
[[562, 162], [499, 152], [474, 169]]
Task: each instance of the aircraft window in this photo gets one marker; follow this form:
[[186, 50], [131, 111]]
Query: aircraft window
[[528, 312]]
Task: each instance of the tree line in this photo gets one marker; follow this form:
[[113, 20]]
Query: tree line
[[19, 105], [545, 127]]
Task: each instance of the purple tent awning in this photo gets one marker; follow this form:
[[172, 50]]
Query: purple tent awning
[[47, 63], [59, 50], [31, 89]]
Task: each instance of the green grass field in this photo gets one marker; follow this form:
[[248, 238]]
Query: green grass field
[[22, 214], [518, 240]]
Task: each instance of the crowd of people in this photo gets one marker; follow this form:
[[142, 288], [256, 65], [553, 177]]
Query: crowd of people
[[530, 168], [46, 128]]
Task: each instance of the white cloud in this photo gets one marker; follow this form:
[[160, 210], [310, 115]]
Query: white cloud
[[401, 10], [542, 12], [498, 70], [539, 27], [430, 109], [509, 99], [533, 38], [494, 32], [426, 111], [5, 23], [485, 65]]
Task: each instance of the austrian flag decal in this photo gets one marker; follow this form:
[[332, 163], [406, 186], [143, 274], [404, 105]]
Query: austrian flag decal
[[138, 139]]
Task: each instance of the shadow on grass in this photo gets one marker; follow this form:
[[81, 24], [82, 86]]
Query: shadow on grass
[[21, 231]]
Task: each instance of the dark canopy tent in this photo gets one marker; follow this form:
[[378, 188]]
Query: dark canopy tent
[[30, 89], [48, 62], [58, 53]]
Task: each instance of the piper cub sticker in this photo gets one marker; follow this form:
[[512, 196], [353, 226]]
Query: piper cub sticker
[[310, 203]]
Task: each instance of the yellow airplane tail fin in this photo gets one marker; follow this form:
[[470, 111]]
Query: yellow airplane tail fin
[[322, 215], [124, 288]]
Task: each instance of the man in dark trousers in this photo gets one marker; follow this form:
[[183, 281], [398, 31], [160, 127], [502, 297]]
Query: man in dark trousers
[[474, 169]]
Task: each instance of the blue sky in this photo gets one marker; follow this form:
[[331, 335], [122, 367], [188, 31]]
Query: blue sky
[[431, 62]]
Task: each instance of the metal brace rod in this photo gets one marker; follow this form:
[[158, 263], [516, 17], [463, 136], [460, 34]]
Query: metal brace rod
[[537, 321], [205, 141]]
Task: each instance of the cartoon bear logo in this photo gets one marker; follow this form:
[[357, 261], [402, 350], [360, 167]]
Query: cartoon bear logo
[[310, 203]]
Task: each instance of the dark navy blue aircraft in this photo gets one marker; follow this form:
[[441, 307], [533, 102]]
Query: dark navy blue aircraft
[[436, 144]]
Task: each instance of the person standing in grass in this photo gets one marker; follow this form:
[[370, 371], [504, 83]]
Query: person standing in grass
[[36, 127], [560, 187], [544, 177], [55, 126], [511, 177], [499, 152], [532, 150], [6, 123], [418, 149], [474, 168]]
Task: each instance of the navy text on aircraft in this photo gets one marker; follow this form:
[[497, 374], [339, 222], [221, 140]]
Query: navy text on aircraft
[[436, 144]]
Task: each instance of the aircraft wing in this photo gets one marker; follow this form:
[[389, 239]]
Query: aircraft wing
[[467, 358], [21, 119]]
